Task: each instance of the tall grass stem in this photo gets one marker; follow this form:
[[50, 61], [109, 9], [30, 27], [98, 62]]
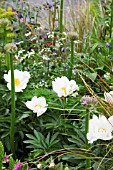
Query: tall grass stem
[[71, 59], [12, 131], [61, 18], [88, 162]]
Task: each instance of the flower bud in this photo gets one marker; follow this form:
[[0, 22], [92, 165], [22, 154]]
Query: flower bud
[[89, 100], [39, 166], [72, 35], [51, 165], [10, 47], [4, 22]]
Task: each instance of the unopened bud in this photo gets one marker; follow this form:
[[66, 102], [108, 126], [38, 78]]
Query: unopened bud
[[39, 166], [51, 165], [10, 47]]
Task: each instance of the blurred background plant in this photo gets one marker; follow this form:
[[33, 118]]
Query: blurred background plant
[[58, 136]]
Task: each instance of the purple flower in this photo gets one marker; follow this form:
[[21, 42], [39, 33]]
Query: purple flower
[[49, 5], [20, 15], [102, 1], [44, 36], [83, 101], [82, 56], [107, 44], [6, 158], [63, 49], [89, 100], [13, 10], [17, 166]]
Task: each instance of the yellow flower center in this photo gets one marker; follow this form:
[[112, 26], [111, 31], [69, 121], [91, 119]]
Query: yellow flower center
[[101, 129], [38, 105], [17, 82], [64, 90]]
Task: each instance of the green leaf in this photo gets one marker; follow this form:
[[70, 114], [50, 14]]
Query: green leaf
[[92, 76]]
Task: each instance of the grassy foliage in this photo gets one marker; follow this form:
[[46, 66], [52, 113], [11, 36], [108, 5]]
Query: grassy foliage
[[76, 42]]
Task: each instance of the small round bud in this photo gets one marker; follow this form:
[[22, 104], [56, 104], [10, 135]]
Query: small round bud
[[72, 35], [107, 44], [51, 165], [89, 100], [39, 166], [10, 47], [4, 22]]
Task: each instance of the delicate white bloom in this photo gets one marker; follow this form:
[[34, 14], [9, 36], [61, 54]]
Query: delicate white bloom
[[18, 43], [109, 97], [50, 35], [37, 105], [33, 38], [64, 33], [45, 58], [28, 34], [63, 87], [39, 166], [100, 128], [58, 44], [51, 165], [107, 76], [21, 79]]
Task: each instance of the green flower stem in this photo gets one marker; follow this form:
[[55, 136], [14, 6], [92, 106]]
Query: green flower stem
[[88, 163], [111, 24], [71, 59], [8, 61], [61, 18], [12, 107], [7, 54]]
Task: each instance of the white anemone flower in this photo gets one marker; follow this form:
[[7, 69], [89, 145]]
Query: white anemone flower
[[21, 79], [109, 97], [63, 87], [37, 105], [100, 128]]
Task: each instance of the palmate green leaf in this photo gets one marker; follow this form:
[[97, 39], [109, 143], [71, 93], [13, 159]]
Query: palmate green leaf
[[80, 134], [38, 152], [38, 135], [53, 138], [31, 136], [48, 138], [40, 143], [53, 143], [77, 141]]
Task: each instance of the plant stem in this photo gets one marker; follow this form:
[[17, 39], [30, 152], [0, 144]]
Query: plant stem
[[111, 24], [88, 163], [12, 107], [71, 59], [8, 61], [61, 18]]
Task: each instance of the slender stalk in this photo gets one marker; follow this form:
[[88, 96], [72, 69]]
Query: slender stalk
[[111, 24], [71, 59], [61, 18], [88, 163], [8, 61], [7, 54], [12, 131]]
